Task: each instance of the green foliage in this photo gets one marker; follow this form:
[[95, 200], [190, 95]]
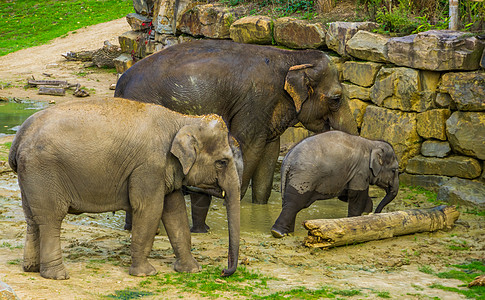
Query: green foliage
[[128, 294], [284, 8], [30, 23], [397, 19]]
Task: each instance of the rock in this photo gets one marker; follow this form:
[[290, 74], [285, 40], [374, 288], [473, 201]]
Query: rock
[[431, 123], [4, 167], [123, 63], [6, 292], [467, 89], [443, 100], [339, 33], [130, 42], [436, 50], [252, 30], [463, 192], [143, 7], [105, 56], [353, 91], [339, 63], [482, 61], [138, 22], [435, 148], [430, 182], [397, 128], [210, 20], [361, 73], [453, 166], [401, 88], [357, 108], [298, 34], [168, 13], [368, 46], [466, 133]]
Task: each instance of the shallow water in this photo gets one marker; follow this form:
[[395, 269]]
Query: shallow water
[[13, 114]]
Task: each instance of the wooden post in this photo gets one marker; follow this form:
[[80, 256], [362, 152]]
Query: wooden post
[[453, 14], [326, 233]]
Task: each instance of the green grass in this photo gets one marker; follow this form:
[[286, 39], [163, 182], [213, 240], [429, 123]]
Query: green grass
[[465, 273], [4, 149], [30, 23]]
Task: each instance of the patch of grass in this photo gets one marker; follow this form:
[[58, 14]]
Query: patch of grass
[[128, 293], [305, 293], [17, 261], [465, 273], [4, 149], [31, 23], [458, 245], [383, 294], [426, 269]]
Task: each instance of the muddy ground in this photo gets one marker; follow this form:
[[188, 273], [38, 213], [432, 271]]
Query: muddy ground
[[96, 249]]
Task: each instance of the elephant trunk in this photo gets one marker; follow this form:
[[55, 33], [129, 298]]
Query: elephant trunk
[[391, 193], [232, 201]]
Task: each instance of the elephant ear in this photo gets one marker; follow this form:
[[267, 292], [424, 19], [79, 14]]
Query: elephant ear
[[376, 160], [297, 84], [184, 148]]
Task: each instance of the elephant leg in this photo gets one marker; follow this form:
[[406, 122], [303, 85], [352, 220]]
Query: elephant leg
[[369, 205], [293, 202], [262, 179], [358, 202], [51, 265], [32, 241], [147, 206], [200, 204], [176, 224]]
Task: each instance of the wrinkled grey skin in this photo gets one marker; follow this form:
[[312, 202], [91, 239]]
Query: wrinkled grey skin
[[259, 91], [115, 154], [335, 164]]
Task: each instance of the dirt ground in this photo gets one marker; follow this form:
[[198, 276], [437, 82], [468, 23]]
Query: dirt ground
[[391, 265]]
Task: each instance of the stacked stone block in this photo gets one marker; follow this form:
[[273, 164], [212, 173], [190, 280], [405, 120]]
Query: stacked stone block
[[423, 93]]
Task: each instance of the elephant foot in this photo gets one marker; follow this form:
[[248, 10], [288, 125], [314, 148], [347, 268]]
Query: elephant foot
[[31, 267], [145, 269], [58, 272], [277, 233], [198, 228], [189, 266]]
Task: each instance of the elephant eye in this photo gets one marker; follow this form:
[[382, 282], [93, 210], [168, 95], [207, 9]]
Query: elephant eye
[[221, 163], [334, 103]]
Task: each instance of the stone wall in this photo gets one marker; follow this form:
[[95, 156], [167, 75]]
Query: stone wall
[[423, 93]]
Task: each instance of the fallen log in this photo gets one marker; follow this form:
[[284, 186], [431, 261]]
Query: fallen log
[[43, 90], [327, 233], [59, 83]]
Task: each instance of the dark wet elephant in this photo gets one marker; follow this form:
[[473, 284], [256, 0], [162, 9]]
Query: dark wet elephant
[[260, 91], [335, 164]]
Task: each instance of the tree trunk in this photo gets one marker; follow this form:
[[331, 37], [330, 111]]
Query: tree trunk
[[453, 14], [326, 233], [51, 91]]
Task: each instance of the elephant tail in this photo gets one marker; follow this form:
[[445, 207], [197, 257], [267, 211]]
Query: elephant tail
[[285, 168]]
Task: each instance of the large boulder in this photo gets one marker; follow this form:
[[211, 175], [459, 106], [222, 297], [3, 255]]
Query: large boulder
[[436, 50], [430, 182], [298, 34], [210, 20], [463, 192], [361, 73], [431, 123], [453, 166], [396, 127], [252, 30], [353, 91], [466, 133], [467, 89], [143, 7], [339, 33], [168, 13], [433, 148], [404, 89], [138, 22], [368, 46]]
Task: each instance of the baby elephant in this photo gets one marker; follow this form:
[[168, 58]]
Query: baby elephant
[[116, 154], [335, 164]]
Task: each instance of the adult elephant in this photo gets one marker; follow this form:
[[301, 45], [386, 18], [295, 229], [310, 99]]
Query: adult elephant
[[259, 91]]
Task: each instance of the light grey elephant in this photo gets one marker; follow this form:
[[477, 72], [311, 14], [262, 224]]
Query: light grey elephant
[[335, 164], [116, 154]]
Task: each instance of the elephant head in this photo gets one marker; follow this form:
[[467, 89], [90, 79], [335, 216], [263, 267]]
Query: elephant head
[[212, 161], [384, 169], [317, 94]]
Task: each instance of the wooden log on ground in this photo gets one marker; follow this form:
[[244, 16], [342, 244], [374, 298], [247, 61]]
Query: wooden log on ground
[[43, 90], [326, 233]]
